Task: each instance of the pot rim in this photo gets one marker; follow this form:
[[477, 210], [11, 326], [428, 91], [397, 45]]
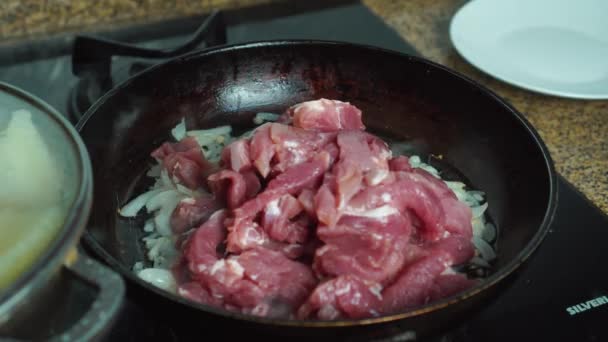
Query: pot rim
[[35, 277], [486, 284]]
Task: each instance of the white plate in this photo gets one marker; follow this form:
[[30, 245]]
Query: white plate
[[556, 47]]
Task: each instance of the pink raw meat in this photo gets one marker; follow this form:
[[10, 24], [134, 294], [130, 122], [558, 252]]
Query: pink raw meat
[[294, 145], [195, 292], [185, 162], [229, 187], [262, 149], [446, 285], [401, 163], [191, 212], [413, 287], [201, 249], [320, 222], [247, 235], [276, 220], [343, 297], [371, 249], [258, 281], [325, 115], [236, 157], [292, 181], [432, 202]]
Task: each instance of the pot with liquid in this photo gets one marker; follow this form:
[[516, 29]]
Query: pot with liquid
[[45, 199]]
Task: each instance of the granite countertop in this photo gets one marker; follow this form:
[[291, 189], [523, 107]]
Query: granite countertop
[[28, 18], [575, 131]]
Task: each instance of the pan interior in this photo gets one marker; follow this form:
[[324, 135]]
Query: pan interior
[[481, 139]]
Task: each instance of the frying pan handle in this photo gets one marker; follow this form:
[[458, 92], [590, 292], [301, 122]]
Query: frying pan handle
[[100, 315], [93, 55]]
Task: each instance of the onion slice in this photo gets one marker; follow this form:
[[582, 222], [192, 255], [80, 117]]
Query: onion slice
[[179, 132], [134, 206]]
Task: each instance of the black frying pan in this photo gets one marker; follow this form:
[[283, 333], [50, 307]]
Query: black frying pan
[[433, 108]]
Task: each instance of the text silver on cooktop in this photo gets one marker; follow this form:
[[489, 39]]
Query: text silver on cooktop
[[584, 306]]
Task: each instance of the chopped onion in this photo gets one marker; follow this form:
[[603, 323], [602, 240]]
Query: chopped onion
[[479, 210], [209, 136], [149, 240], [448, 271], [480, 262], [134, 206], [138, 266], [165, 181], [159, 277], [164, 203], [161, 251], [476, 194], [186, 191], [460, 194], [458, 188], [156, 246], [162, 220], [471, 202], [414, 161], [179, 131], [162, 199], [489, 232], [455, 185], [154, 171], [486, 251], [478, 226], [433, 171], [149, 226], [262, 116]]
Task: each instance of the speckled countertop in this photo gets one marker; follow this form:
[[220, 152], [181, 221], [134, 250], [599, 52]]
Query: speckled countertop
[[576, 131], [27, 18]]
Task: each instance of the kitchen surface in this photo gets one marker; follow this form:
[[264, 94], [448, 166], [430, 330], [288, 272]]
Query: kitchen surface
[[559, 292]]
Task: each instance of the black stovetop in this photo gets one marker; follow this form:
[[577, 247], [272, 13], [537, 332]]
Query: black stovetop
[[567, 270]]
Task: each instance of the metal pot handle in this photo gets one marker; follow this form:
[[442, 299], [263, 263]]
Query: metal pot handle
[[106, 305]]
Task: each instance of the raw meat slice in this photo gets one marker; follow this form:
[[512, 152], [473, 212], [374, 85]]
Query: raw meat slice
[[414, 285], [229, 187], [262, 149], [191, 212], [325, 115], [201, 248], [236, 157], [372, 249], [343, 297], [184, 162], [275, 220]]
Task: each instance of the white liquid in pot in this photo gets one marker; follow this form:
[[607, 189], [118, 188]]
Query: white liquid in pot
[[31, 208]]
